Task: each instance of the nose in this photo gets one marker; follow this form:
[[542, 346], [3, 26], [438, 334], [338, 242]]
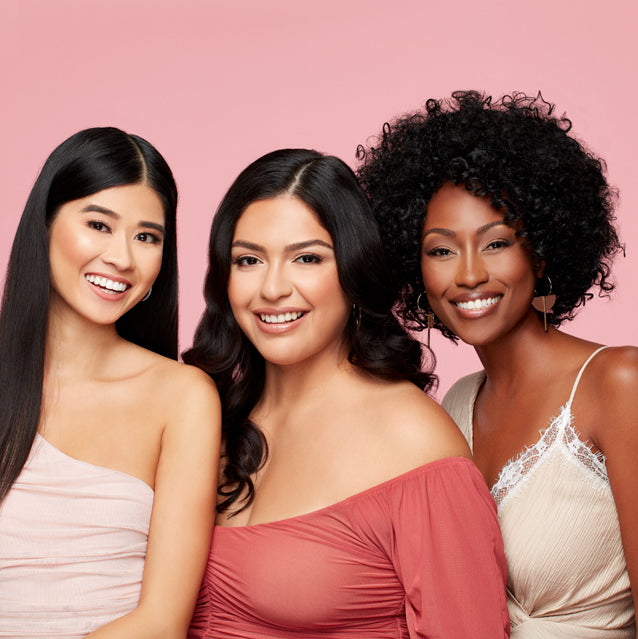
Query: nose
[[276, 283], [118, 253], [471, 270]]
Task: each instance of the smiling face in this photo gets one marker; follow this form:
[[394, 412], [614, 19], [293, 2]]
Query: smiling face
[[284, 288], [478, 275], [105, 251]]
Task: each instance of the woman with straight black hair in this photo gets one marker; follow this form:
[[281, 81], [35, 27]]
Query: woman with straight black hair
[[108, 447], [348, 505]]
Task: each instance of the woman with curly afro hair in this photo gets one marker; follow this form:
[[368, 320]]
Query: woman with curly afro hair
[[499, 224]]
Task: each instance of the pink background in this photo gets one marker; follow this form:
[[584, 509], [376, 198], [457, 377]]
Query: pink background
[[214, 84]]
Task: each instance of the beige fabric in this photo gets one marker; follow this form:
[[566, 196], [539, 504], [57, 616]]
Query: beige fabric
[[567, 573]]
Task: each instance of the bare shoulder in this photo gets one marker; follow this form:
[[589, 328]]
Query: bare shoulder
[[185, 394], [614, 371], [610, 394], [414, 426]]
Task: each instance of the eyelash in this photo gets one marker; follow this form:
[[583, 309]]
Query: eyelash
[[153, 239], [441, 251], [438, 251], [245, 260], [94, 224], [497, 244], [146, 237], [309, 258], [251, 260]]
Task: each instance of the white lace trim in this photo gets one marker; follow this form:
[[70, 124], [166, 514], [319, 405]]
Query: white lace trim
[[560, 433]]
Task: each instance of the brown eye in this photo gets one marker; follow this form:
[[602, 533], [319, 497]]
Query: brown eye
[[439, 251], [246, 260], [308, 258], [98, 226]]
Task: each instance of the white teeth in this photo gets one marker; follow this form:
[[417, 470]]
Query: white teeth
[[475, 305], [280, 318], [103, 282]]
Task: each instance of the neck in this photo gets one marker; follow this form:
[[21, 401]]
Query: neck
[[299, 383], [522, 354], [75, 345]]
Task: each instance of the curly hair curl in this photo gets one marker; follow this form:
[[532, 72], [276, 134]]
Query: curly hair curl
[[515, 151]]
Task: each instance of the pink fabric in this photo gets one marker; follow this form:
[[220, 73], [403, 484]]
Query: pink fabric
[[420, 555], [72, 546]]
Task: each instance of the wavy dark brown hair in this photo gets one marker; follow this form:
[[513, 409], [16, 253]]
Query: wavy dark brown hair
[[379, 345]]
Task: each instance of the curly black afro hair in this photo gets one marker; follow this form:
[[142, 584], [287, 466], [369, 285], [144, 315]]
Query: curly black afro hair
[[518, 153]]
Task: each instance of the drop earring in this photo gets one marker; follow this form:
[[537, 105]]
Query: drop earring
[[544, 300], [356, 314], [429, 316]]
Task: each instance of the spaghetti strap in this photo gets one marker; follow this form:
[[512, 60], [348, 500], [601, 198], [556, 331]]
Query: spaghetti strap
[[580, 373]]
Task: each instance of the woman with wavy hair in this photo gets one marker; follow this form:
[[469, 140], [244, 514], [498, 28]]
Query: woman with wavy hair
[[499, 223], [108, 446], [348, 505]]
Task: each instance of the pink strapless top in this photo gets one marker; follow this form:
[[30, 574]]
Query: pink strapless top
[[72, 546]]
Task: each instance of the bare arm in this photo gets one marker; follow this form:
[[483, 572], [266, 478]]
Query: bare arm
[[183, 515], [617, 436]]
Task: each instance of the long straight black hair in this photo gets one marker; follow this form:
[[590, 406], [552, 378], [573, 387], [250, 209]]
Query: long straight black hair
[[376, 342], [87, 162]]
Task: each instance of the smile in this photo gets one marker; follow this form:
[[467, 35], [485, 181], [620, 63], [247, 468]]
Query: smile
[[107, 284], [281, 318], [476, 305]]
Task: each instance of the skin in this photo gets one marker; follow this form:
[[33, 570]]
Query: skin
[[113, 404], [529, 372], [283, 260]]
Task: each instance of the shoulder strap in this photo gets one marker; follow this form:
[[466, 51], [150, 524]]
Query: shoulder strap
[[580, 373]]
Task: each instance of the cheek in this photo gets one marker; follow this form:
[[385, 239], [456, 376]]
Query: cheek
[[434, 277], [521, 272], [153, 264], [238, 295], [67, 249], [328, 291]]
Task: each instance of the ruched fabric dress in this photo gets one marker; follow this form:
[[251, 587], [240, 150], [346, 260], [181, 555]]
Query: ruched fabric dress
[[567, 576], [417, 556], [72, 546]]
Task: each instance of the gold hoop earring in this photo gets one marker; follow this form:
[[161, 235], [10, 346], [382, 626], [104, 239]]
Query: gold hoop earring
[[429, 315], [543, 300]]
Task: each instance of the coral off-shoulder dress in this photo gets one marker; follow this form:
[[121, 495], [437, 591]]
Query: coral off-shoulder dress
[[419, 555]]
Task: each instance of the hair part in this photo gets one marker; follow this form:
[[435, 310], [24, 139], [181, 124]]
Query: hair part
[[87, 162], [377, 345]]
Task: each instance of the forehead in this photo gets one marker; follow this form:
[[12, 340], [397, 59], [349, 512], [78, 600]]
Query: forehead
[[455, 207], [130, 202], [278, 221]]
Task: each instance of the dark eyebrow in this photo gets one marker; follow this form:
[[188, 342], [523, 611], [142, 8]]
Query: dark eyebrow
[[479, 231], [487, 227], [112, 214], [297, 246], [445, 232]]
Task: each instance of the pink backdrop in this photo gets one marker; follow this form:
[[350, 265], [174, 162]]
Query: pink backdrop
[[213, 84]]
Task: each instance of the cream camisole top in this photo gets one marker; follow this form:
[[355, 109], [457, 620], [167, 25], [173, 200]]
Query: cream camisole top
[[567, 572]]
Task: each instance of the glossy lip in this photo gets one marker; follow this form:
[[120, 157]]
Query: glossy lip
[[278, 329], [102, 292], [475, 313]]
